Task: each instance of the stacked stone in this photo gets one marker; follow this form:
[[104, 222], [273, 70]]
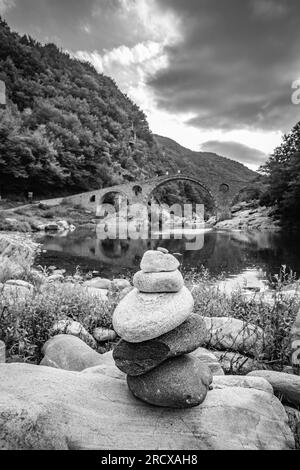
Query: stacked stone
[[158, 331]]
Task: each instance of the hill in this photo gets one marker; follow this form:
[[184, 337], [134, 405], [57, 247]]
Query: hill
[[68, 129], [210, 168]]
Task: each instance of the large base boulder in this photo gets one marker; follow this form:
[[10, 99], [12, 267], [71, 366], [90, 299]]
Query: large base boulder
[[244, 381], [286, 386], [46, 408]]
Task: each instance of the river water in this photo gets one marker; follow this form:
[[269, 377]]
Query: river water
[[245, 258]]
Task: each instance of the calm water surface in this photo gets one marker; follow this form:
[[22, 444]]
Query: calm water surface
[[242, 257]]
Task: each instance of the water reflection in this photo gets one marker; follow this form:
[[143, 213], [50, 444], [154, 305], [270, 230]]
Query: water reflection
[[258, 254]]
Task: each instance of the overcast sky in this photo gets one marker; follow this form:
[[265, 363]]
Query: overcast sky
[[214, 75]]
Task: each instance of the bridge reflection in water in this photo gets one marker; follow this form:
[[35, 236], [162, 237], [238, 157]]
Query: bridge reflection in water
[[221, 252]]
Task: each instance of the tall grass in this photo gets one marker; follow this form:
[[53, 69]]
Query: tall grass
[[26, 321], [275, 317]]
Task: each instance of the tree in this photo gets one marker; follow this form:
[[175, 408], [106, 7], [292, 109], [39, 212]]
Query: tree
[[283, 178]]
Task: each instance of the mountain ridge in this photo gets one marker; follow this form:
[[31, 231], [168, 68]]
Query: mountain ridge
[[210, 168]]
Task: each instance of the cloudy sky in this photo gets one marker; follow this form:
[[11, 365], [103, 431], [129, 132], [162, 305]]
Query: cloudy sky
[[215, 75]]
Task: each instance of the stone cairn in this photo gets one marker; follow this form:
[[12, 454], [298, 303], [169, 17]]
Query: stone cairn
[[158, 331]]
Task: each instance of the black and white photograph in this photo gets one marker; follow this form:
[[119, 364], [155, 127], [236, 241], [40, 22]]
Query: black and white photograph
[[149, 228]]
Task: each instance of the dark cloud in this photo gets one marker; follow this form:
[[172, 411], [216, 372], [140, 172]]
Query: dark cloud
[[236, 151], [73, 24], [235, 65], [232, 69]]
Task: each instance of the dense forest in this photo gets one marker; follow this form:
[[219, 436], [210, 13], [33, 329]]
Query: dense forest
[[68, 129], [282, 176]]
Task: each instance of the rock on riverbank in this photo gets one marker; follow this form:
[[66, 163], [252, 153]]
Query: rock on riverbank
[[250, 218]]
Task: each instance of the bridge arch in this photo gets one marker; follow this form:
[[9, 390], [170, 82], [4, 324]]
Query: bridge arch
[[190, 179], [107, 196]]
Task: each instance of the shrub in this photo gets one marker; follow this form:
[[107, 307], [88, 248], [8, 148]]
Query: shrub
[[275, 318], [25, 323]]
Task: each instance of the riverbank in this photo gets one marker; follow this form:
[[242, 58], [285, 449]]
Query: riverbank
[[250, 216], [41, 218]]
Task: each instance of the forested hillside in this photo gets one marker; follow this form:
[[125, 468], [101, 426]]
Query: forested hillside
[[69, 129], [210, 168]]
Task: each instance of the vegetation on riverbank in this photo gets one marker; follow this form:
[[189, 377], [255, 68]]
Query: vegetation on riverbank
[[276, 318], [33, 217], [26, 322], [278, 185]]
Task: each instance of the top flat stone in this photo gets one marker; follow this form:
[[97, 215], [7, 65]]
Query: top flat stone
[[156, 262]]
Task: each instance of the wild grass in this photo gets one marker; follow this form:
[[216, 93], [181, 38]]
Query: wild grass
[[26, 322], [276, 317], [8, 223], [27, 219]]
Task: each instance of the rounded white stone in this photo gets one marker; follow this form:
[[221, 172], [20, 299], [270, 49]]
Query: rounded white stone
[[158, 282], [141, 317], [156, 261]]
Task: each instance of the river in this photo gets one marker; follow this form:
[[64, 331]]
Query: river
[[250, 258]]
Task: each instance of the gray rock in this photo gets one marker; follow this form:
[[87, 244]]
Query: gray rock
[[69, 353], [63, 225], [2, 352], [20, 283], [163, 250], [70, 327], [101, 294], [286, 386], [104, 334], [121, 284], [158, 282], [137, 359], [49, 409], [98, 283], [51, 227], [294, 423], [55, 278], [107, 368], [59, 271], [208, 358], [243, 381], [156, 261], [180, 382], [235, 363], [12, 293], [227, 333], [140, 317], [295, 344], [124, 292]]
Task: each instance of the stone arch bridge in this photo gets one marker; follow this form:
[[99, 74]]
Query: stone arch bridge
[[141, 191]]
